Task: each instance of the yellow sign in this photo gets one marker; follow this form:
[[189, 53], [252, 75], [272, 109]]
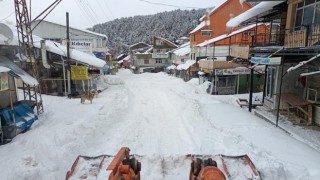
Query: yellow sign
[[79, 73], [4, 83]]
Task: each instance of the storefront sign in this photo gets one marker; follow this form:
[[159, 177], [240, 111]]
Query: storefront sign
[[266, 61], [79, 73], [86, 44], [4, 83], [240, 70]]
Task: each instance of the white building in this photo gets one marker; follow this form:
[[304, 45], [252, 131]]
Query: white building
[[82, 40]]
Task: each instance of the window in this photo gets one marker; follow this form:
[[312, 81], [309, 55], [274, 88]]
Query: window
[[307, 13], [146, 61], [159, 42], [194, 37], [158, 61], [270, 81], [206, 33], [182, 60]]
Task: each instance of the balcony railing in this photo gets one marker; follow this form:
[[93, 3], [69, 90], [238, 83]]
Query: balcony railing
[[159, 55], [303, 36]]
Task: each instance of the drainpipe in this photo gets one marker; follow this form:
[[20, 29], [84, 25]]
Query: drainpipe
[[44, 54]]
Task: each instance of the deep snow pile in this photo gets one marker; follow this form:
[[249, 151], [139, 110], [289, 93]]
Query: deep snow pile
[[162, 119]]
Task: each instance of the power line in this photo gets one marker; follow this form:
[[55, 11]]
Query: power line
[[102, 10], [94, 13], [87, 11], [105, 2], [170, 5], [84, 14]]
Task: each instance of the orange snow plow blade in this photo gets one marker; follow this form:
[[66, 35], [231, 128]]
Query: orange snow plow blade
[[123, 166], [221, 167]]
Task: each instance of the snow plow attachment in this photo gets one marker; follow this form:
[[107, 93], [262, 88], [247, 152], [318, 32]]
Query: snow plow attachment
[[221, 167], [122, 166]]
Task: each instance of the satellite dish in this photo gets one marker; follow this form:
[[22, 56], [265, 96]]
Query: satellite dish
[[7, 32]]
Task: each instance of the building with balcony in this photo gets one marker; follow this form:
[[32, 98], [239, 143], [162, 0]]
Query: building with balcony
[[293, 82]]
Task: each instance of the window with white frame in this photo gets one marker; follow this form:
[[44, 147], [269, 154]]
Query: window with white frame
[[159, 42], [271, 73], [308, 13], [206, 33], [158, 61]]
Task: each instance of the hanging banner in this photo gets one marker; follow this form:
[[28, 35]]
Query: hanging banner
[[79, 73], [240, 71], [4, 83], [266, 61]]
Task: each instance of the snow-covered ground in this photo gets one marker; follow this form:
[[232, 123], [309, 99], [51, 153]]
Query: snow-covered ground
[[161, 118]]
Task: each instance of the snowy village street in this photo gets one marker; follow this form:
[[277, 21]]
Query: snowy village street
[[160, 118]]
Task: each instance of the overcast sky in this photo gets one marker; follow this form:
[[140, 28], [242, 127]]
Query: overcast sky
[[86, 13]]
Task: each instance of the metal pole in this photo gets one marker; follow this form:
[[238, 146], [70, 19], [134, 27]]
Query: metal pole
[[68, 54], [251, 89], [264, 85], [64, 77], [280, 91], [238, 84]]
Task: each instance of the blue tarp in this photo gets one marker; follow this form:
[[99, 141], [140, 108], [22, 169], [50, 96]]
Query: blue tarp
[[23, 114]]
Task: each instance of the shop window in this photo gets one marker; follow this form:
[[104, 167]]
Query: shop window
[[270, 81], [206, 33]]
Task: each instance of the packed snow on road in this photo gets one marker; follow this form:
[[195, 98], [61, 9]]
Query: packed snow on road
[[161, 119]]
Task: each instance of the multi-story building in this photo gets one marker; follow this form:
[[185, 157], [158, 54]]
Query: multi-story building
[[291, 55]]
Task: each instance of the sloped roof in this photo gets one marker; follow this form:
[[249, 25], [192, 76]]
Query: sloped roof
[[200, 26], [6, 64], [184, 49], [54, 47], [213, 9], [166, 40], [83, 30], [255, 11], [186, 65], [224, 36]]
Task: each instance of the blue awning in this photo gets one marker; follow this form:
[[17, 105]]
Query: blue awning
[[23, 114]]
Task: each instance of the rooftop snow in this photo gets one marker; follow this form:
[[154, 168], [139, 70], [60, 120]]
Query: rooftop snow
[[186, 65], [200, 26], [57, 48], [213, 9], [221, 37], [6, 64], [4, 69], [76, 55], [183, 50], [171, 67], [87, 31], [256, 10]]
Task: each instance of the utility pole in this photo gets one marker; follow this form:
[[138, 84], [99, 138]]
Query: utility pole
[[251, 89], [68, 54]]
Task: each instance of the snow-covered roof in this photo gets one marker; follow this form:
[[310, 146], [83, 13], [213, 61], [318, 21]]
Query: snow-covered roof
[[169, 42], [138, 43], [186, 65], [256, 10], [83, 30], [221, 37], [214, 9], [127, 58], [200, 26], [6, 64], [75, 55], [183, 50], [120, 56], [4, 69], [56, 48], [121, 61], [171, 67]]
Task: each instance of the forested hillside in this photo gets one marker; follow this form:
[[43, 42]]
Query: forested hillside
[[171, 25]]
